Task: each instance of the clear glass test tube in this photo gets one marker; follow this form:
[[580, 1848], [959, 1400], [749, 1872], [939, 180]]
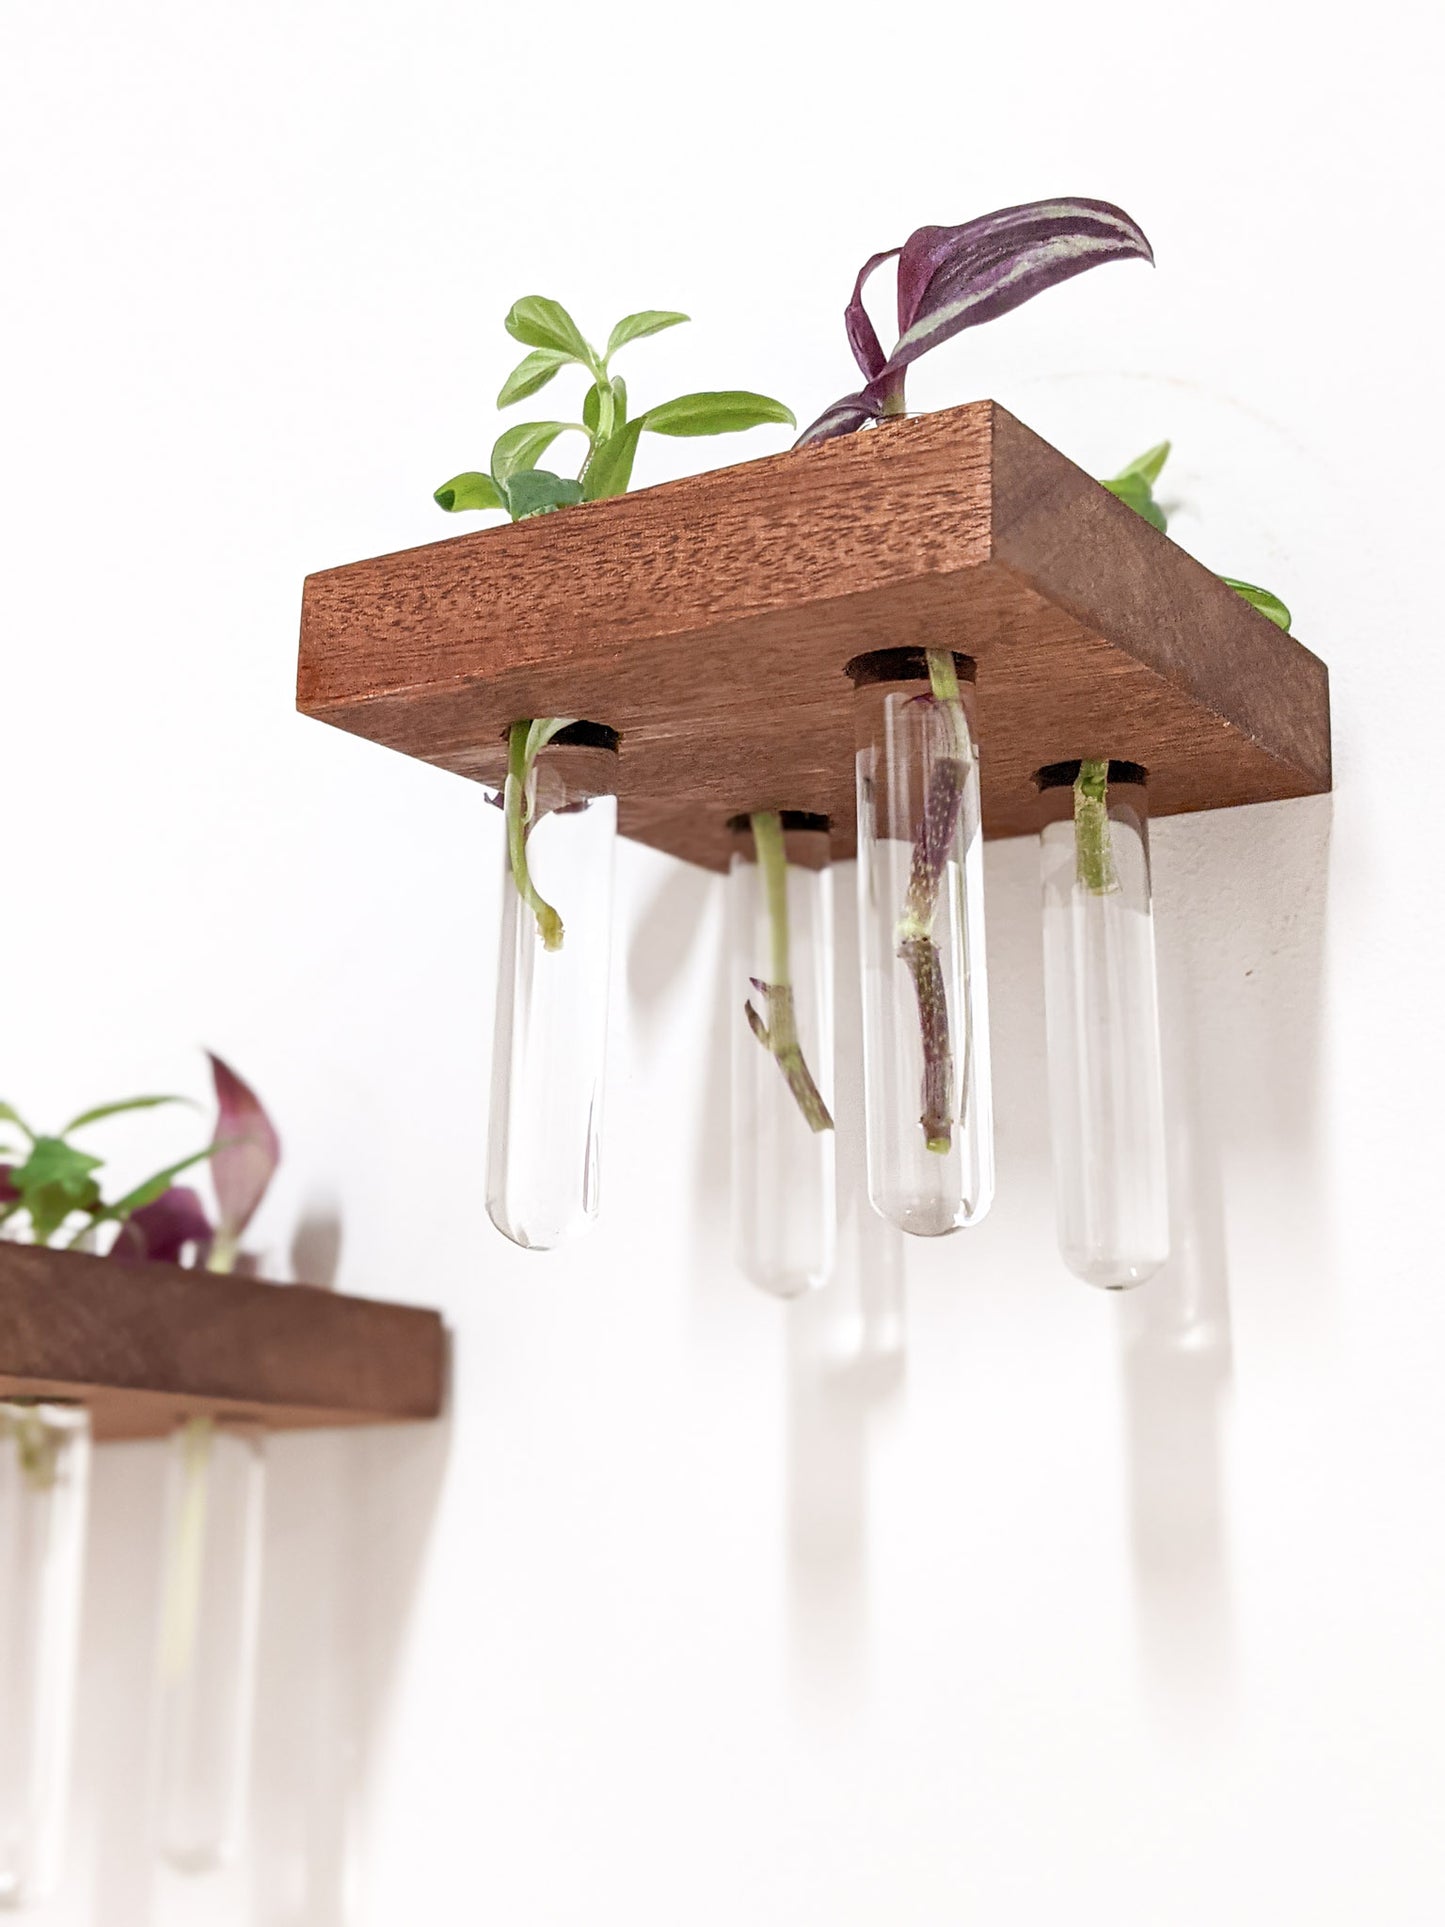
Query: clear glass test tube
[[44, 1488], [780, 1009], [550, 1037], [927, 1090], [1101, 1005], [210, 1610]]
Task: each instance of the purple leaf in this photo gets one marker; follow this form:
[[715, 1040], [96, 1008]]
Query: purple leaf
[[951, 278], [251, 1150], [159, 1232], [954, 278], [8, 1193], [852, 412], [862, 335]]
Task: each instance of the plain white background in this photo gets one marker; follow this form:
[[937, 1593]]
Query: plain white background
[[701, 1610]]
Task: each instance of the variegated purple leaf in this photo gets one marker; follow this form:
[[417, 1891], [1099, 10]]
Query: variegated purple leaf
[[862, 335], [954, 278], [850, 413], [249, 1152], [158, 1233]]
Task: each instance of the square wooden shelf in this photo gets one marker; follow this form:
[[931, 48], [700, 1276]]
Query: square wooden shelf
[[709, 621], [145, 1346]]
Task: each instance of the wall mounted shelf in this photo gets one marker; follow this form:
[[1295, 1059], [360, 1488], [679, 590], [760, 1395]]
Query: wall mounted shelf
[[709, 621], [145, 1346]]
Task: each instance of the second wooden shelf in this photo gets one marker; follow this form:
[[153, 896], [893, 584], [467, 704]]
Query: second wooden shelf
[[145, 1346]]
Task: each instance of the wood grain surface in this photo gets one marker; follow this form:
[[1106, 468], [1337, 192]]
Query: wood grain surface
[[709, 621], [147, 1345]]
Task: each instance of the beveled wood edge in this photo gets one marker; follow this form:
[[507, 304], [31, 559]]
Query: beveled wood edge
[[146, 1345]]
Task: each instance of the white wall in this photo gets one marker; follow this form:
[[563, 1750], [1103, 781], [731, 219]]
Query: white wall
[[702, 1610]]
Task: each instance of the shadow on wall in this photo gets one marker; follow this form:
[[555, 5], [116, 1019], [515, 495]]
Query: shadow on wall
[[680, 940], [1241, 916], [846, 1354]]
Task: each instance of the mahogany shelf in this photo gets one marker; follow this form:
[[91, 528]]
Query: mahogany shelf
[[147, 1345], [709, 621]]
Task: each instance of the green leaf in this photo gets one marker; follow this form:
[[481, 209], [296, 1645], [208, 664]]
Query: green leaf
[[542, 323], [522, 447], [536, 491], [610, 469], [592, 407], [1136, 494], [648, 321], [718, 413], [125, 1104], [1261, 599], [55, 1180], [1147, 466], [10, 1115], [51, 1204], [469, 491], [54, 1162], [147, 1193], [532, 372]]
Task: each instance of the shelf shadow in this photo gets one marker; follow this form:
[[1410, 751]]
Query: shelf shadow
[[1241, 929], [846, 1357], [1177, 1372]]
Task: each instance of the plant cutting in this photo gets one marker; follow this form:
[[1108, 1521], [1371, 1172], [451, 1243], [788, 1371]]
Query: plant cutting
[[951, 279], [610, 436], [49, 1189], [778, 1032]]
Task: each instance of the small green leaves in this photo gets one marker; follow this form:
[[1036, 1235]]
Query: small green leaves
[[470, 491], [1135, 493], [632, 327], [536, 491], [610, 469], [1134, 485], [541, 323], [147, 1193], [716, 413], [523, 447], [55, 1180], [1261, 599], [1148, 466], [53, 1161], [593, 410], [115, 1110], [553, 339], [532, 372]]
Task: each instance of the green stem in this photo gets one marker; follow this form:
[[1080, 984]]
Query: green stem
[[517, 809], [779, 1034], [180, 1608], [1093, 847]]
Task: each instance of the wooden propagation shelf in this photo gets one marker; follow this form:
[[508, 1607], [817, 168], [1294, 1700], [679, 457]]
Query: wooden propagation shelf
[[145, 1346], [709, 621]]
